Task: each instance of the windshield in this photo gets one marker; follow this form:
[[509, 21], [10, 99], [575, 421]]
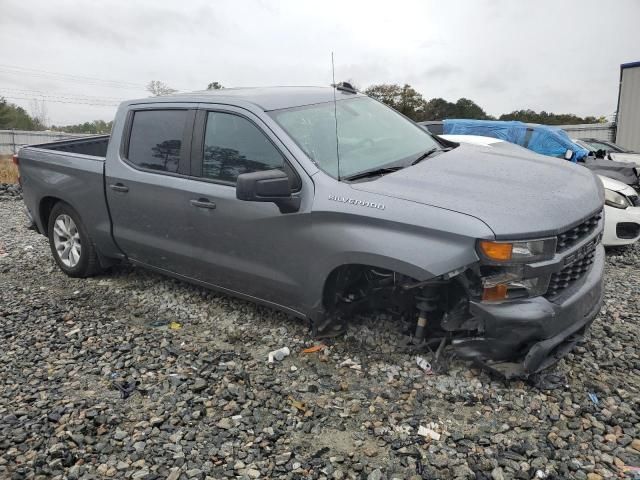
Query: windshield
[[369, 135], [584, 144], [606, 146]]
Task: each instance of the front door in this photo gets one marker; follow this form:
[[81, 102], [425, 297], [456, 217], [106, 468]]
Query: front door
[[247, 247]]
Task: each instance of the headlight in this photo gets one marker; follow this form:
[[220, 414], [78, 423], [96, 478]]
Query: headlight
[[503, 271], [615, 200], [517, 252]]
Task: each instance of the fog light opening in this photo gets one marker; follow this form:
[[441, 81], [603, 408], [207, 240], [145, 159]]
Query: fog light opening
[[627, 230]]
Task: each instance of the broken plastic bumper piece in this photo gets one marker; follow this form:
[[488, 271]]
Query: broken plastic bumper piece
[[536, 331]]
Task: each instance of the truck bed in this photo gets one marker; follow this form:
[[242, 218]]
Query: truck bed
[[92, 146], [71, 170]]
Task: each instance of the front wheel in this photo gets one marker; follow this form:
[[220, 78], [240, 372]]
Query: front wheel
[[72, 248]]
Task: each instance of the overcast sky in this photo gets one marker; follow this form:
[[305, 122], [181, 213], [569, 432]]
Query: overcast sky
[[554, 55]]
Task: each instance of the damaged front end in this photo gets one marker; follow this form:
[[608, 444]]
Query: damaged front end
[[516, 312]]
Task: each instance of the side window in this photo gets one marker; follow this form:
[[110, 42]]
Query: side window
[[156, 139], [233, 146]]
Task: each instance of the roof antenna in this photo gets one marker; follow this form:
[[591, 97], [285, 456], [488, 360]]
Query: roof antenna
[[335, 112]]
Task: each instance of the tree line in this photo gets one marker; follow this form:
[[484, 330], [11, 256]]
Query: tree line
[[403, 98], [15, 117], [411, 103]]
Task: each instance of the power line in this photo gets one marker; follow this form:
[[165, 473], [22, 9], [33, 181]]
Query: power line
[[11, 97], [71, 80], [58, 97], [13, 69], [41, 92], [87, 80], [43, 96]]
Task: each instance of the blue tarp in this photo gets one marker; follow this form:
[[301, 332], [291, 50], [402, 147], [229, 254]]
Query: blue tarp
[[542, 139]]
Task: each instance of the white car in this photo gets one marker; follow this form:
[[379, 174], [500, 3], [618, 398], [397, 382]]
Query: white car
[[621, 213], [622, 205]]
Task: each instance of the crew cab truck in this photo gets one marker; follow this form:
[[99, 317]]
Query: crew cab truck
[[324, 203]]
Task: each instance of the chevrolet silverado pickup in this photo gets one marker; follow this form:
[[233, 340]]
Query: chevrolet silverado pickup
[[325, 203]]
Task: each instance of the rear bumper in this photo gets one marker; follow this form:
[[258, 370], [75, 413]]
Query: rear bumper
[[538, 331]]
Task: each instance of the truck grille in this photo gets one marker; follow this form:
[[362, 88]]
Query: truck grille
[[571, 237], [570, 274]]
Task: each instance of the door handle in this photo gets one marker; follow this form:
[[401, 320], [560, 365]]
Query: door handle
[[118, 187], [203, 203]]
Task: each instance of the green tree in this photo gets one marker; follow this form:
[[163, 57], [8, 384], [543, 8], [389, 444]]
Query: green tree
[[215, 86], [411, 103], [440, 109], [466, 108], [15, 117], [404, 99]]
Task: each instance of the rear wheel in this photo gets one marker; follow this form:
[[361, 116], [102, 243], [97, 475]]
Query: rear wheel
[[72, 248]]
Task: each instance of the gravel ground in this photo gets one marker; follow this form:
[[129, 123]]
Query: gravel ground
[[202, 402]]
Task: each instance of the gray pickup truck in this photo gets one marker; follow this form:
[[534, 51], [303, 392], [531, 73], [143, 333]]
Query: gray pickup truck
[[326, 204]]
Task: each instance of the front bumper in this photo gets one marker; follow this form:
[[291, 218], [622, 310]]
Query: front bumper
[[613, 218], [536, 332]]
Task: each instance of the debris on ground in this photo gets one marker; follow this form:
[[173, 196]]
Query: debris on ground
[[351, 364], [125, 388], [428, 433], [278, 355], [314, 349], [424, 365]]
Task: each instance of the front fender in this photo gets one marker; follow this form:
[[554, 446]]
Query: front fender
[[419, 253]]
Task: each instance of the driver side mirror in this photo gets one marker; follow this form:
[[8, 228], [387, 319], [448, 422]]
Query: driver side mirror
[[568, 155], [268, 186]]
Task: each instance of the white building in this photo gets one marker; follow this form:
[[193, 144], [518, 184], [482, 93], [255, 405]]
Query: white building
[[628, 116]]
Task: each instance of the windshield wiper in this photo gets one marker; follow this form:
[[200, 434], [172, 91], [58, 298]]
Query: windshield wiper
[[428, 153], [376, 172]]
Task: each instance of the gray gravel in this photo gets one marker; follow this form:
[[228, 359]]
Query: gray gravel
[[202, 402], [10, 191]]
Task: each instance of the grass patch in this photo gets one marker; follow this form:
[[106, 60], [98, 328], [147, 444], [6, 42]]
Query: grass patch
[[8, 171]]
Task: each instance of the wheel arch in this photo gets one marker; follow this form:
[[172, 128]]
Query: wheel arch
[[323, 282], [45, 207]]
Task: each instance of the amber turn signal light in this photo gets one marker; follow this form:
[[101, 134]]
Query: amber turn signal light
[[496, 250], [492, 294]]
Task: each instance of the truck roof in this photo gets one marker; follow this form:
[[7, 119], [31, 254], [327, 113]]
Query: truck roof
[[265, 98]]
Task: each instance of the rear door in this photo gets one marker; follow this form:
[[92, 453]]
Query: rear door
[[147, 187]]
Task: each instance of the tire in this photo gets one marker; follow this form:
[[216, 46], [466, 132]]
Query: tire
[[71, 246]]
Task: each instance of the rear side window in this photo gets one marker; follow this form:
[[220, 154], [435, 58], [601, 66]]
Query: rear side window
[[156, 139], [233, 145]]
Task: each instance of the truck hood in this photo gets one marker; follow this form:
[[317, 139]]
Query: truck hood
[[516, 195]]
